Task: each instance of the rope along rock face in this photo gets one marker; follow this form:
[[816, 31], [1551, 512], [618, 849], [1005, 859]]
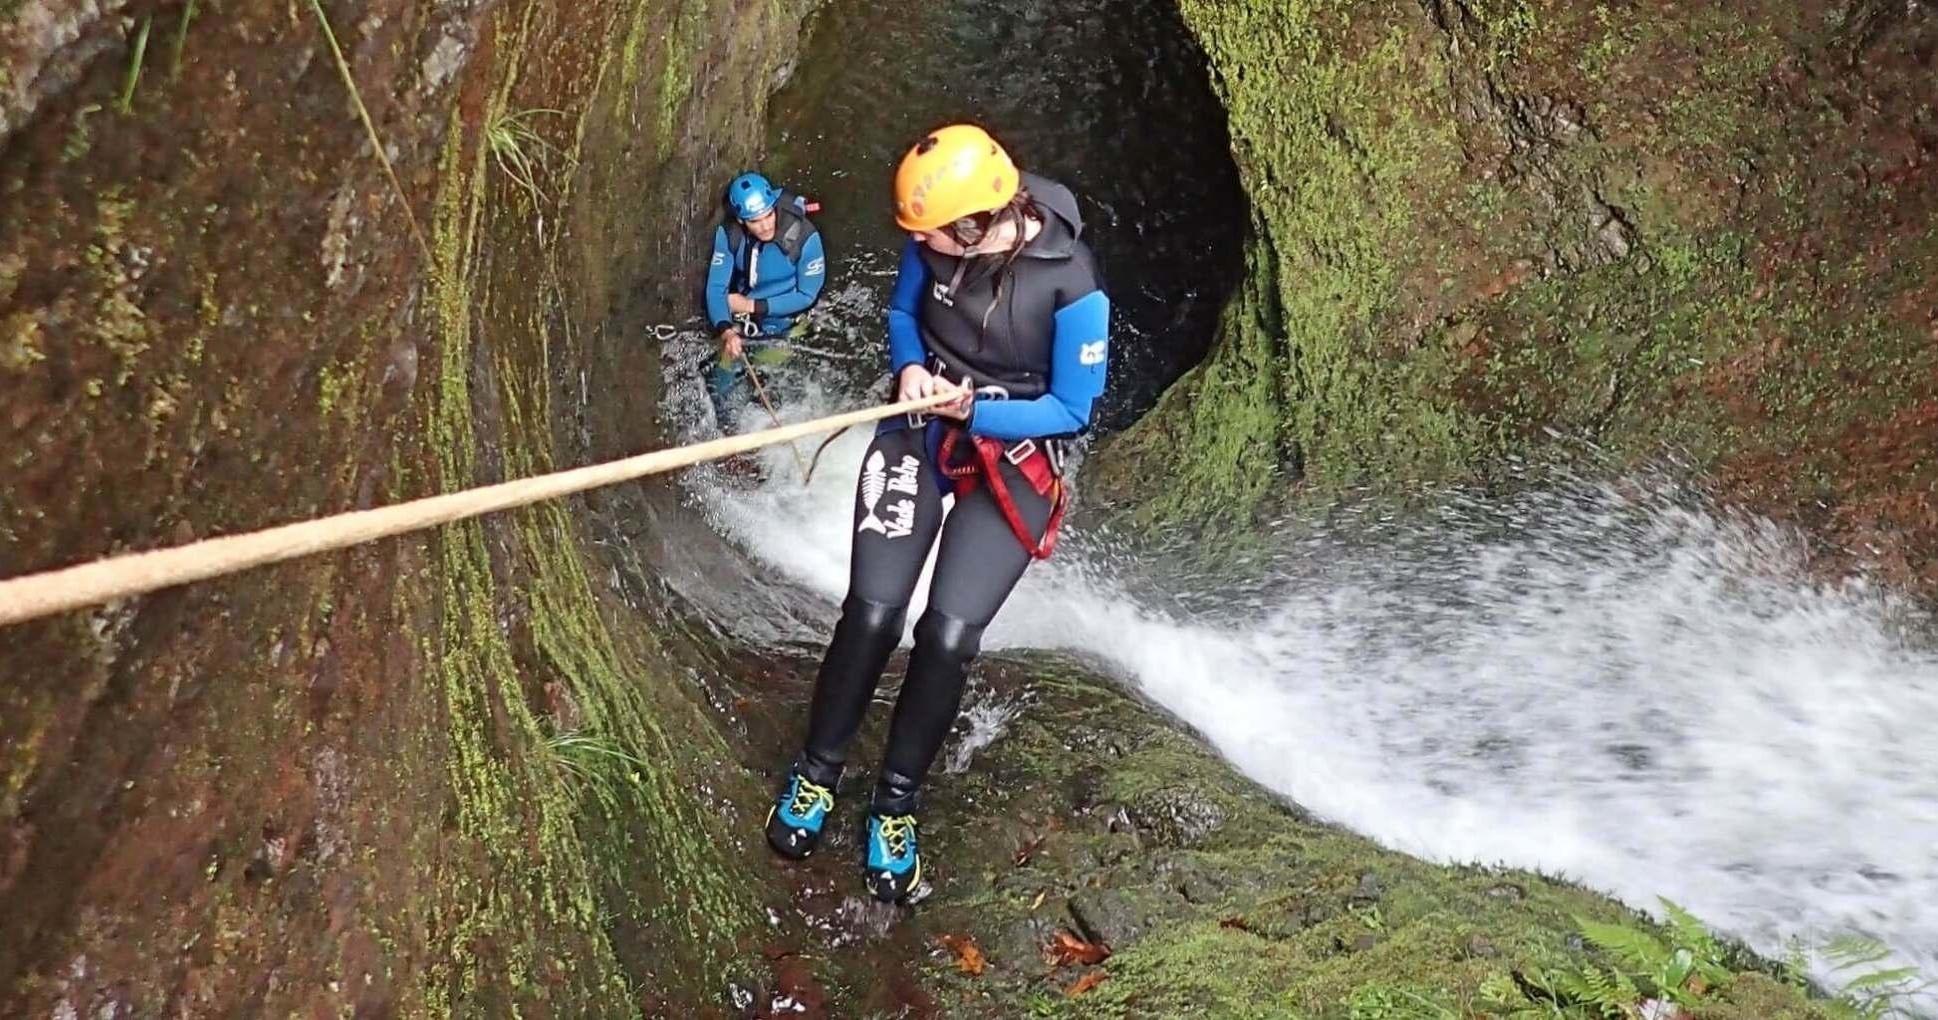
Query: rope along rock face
[[55, 591]]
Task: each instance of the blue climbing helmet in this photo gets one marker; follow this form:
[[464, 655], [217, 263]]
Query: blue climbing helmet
[[752, 196]]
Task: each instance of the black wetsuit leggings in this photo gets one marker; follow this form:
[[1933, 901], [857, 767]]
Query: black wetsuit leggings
[[898, 512]]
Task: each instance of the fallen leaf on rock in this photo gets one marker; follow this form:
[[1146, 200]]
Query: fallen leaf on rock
[[969, 958], [1085, 983], [1028, 850], [1039, 899], [1066, 950]]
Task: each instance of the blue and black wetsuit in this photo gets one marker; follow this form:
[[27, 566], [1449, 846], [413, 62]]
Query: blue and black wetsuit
[[784, 277], [1032, 336]]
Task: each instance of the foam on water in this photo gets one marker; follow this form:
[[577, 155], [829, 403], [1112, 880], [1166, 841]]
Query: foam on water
[[1612, 683]]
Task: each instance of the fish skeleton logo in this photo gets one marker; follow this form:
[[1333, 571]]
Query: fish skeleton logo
[[875, 481], [720, 258], [1092, 353], [814, 268]]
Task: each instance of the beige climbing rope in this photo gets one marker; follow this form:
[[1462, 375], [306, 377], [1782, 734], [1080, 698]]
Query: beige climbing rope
[[54, 591]]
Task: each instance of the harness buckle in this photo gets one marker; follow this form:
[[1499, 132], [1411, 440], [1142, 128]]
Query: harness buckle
[[1021, 452]]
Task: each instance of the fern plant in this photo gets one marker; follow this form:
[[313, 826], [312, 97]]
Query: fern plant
[[1532, 994], [1878, 993], [1606, 993], [1681, 971], [1705, 950], [1500, 996]]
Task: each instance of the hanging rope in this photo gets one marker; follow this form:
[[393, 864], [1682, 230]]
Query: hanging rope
[[54, 591], [761, 392]]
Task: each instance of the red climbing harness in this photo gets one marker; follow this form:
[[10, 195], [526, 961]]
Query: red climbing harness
[[1032, 459]]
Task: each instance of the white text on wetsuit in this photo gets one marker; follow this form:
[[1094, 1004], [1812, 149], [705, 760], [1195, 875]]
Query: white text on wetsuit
[[874, 481], [906, 480]]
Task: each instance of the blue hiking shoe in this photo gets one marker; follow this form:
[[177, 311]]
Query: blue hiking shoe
[[795, 821], [894, 865]]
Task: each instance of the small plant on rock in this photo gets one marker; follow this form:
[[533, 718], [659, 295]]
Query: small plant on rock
[[1872, 992], [1388, 1002], [597, 765], [518, 149], [1680, 971], [1651, 979]]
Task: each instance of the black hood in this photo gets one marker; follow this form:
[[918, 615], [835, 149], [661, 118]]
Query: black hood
[[1062, 224]]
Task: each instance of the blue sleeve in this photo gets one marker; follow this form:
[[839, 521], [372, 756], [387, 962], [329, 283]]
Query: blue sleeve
[[904, 338], [719, 274], [1077, 355], [809, 274]]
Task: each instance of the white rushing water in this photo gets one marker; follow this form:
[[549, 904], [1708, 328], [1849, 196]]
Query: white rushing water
[[1621, 688]]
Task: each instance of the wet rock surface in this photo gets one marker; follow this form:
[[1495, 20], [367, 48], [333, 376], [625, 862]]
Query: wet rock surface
[[490, 770], [1489, 232], [381, 782], [1033, 856]]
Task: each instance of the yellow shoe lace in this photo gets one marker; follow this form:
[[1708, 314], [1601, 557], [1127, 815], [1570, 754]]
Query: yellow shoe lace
[[807, 795], [897, 831]]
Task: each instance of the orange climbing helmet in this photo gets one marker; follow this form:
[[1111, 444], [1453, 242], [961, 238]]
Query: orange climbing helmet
[[954, 172]]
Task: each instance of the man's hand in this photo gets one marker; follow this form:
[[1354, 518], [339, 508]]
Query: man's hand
[[917, 382], [730, 344], [740, 304]]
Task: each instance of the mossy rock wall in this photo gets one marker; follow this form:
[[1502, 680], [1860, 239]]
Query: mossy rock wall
[[432, 775], [1483, 223]]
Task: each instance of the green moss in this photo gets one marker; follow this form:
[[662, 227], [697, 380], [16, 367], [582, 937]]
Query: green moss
[[336, 380], [1333, 137], [559, 865], [118, 324], [80, 135], [1521, 221], [208, 306], [21, 342], [12, 264], [23, 753], [21, 339], [676, 70], [523, 902], [645, 18], [1246, 909], [1222, 426], [1191, 969]]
